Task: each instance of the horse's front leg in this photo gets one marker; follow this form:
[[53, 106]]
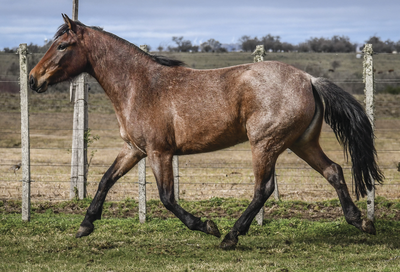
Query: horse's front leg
[[161, 164], [126, 159]]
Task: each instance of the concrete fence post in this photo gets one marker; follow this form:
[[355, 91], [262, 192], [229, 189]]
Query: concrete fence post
[[259, 54], [142, 176], [175, 166], [142, 190], [25, 142], [79, 162], [368, 78]]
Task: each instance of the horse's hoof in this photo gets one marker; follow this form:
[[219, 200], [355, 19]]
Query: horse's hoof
[[368, 226], [84, 230], [213, 229], [229, 242]]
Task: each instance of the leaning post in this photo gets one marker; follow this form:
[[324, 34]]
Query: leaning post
[[25, 144], [259, 54], [368, 78]]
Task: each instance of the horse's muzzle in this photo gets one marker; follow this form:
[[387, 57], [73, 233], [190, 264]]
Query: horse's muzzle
[[33, 84]]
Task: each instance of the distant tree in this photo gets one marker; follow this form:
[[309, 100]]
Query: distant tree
[[342, 44], [317, 44], [287, 47], [380, 46], [178, 40], [271, 43], [160, 48], [172, 49], [212, 45], [303, 47], [397, 46], [333, 45], [10, 50], [182, 45], [205, 47], [249, 44]]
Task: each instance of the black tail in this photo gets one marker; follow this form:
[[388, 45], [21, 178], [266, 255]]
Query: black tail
[[353, 130]]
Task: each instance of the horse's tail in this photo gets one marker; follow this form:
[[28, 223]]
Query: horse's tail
[[353, 130]]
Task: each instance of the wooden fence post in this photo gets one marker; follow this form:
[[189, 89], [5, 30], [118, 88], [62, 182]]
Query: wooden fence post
[[25, 144], [368, 78], [79, 161]]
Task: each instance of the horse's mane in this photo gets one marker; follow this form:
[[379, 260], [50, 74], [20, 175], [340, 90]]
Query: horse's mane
[[159, 59]]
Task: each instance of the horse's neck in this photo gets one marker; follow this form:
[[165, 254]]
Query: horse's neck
[[115, 65]]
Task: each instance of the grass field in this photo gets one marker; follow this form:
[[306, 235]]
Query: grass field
[[121, 243]]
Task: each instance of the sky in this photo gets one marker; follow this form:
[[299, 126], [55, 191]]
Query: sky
[[155, 22]]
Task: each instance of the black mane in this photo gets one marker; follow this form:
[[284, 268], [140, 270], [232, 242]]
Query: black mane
[[159, 59]]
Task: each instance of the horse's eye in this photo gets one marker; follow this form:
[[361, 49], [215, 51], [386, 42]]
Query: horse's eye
[[62, 46]]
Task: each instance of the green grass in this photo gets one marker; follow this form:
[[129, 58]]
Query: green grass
[[47, 243]]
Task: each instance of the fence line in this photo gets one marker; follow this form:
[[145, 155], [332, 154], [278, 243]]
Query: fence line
[[205, 166]]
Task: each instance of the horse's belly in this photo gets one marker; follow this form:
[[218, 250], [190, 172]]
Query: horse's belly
[[200, 138]]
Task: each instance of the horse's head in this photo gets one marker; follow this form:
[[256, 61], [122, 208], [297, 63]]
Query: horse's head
[[65, 59]]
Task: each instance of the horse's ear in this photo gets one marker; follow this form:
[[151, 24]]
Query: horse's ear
[[71, 24]]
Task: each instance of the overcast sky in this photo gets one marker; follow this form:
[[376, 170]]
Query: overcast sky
[[154, 22]]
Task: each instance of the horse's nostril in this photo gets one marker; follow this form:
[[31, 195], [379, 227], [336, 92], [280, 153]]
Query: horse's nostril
[[32, 82]]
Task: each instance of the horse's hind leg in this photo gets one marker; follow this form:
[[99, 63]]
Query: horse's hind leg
[[126, 159], [312, 153], [161, 164]]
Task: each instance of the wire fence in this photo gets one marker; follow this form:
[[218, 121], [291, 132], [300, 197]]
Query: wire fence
[[225, 173]]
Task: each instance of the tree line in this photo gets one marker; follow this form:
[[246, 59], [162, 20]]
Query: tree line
[[336, 44]]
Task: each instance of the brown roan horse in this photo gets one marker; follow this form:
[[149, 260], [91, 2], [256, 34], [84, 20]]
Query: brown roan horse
[[165, 109]]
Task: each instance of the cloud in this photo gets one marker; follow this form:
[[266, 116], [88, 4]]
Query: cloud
[[155, 21]]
